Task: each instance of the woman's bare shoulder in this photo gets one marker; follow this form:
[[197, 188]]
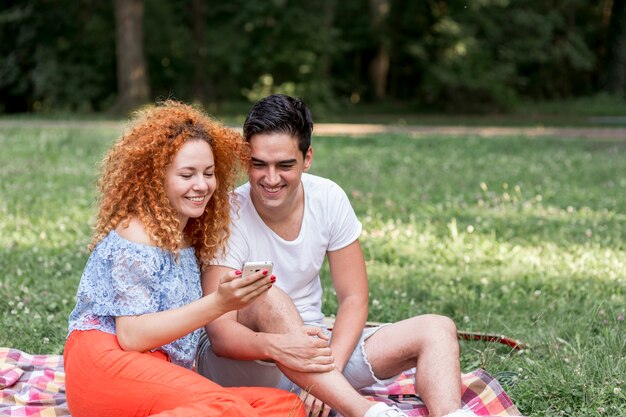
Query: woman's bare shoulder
[[135, 231]]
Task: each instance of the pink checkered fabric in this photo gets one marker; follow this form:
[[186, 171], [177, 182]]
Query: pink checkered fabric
[[34, 386], [481, 393], [31, 385]]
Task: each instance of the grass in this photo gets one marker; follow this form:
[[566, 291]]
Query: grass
[[519, 236]]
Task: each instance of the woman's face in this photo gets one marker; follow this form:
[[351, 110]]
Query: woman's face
[[190, 180]]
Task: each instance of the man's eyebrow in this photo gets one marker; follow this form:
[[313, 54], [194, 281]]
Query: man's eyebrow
[[285, 162]]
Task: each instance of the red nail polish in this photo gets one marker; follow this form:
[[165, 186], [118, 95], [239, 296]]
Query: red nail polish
[[273, 278], [265, 271], [238, 272]]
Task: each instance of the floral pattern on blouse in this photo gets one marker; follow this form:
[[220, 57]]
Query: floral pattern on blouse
[[124, 278]]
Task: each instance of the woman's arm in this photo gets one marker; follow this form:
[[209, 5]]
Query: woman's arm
[[149, 331], [152, 330]]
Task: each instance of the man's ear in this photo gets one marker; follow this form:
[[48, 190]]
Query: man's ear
[[308, 159]]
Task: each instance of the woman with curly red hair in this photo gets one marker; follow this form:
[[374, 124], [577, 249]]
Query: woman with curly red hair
[[163, 214]]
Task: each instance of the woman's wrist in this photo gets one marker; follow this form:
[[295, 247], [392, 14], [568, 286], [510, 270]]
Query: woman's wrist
[[213, 307]]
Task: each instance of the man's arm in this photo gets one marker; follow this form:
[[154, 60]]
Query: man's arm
[[224, 330], [347, 270], [269, 334]]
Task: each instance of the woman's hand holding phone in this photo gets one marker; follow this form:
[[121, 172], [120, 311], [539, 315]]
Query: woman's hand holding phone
[[250, 268], [237, 289]]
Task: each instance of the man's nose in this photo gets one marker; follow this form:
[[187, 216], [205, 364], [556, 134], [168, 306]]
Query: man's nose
[[272, 176]]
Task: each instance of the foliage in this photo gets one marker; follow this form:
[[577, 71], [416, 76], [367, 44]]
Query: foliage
[[516, 236], [479, 56], [59, 55]]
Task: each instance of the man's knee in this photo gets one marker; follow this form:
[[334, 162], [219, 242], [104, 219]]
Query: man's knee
[[436, 327], [274, 312]]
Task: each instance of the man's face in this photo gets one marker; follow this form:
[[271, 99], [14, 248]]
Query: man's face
[[275, 170]]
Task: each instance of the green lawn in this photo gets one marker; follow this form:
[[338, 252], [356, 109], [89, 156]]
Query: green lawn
[[519, 236]]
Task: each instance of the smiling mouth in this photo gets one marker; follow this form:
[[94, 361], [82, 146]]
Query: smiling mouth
[[199, 199], [272, 190]]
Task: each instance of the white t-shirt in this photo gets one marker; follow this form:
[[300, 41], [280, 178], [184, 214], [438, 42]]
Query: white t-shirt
[[329, 224]]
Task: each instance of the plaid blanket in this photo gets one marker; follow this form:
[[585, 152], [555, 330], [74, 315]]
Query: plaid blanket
[[34, 386], [31, 385], [481, 393]]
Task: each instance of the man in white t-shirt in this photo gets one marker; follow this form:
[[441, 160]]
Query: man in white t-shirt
[[297, 220]]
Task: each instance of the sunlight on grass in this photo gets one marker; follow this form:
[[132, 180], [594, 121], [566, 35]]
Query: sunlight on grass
[[515, 236]]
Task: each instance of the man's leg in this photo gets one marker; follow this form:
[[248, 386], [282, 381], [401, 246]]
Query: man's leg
[[429, 343], [276, 313]]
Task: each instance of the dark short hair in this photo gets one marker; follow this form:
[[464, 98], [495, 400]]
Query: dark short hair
[[280, 113]]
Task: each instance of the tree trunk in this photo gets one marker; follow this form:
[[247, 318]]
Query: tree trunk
[[132, 77], [379, 70], [200, 85], [329, 22], [379, 66], [615, 75]]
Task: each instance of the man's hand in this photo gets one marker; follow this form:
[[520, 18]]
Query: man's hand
[[304, 349], [312, 406]]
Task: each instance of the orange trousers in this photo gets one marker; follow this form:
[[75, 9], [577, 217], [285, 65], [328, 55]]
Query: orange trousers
[[103, 380]]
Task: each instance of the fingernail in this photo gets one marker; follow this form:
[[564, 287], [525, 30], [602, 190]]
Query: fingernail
[[273, 278], [238, 272], [265, 271]]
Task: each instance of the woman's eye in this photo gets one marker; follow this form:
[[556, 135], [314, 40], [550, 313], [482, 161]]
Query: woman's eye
[[208, 174]]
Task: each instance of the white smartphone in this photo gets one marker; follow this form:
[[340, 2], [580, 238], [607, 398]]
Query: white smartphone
[[252, 267]]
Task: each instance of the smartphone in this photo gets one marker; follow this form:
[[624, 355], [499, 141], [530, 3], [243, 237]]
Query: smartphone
[[252, 267]]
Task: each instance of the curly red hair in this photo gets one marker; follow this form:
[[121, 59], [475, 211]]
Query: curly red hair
[[133, 178]]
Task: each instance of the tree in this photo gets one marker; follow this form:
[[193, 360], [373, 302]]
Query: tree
[[64, 55], [198, 83], [379, 65], [615, 73], [132, 77]]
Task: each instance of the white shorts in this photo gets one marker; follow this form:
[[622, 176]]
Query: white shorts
[[236, 373]]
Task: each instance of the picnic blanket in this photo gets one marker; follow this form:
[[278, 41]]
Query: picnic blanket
[[34, 386], [481, 393], [31, 385]]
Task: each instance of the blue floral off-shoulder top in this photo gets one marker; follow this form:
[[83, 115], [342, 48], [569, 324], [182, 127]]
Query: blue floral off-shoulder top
[[124, 278]]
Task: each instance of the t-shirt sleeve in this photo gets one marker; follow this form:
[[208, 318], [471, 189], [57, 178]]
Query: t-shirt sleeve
[[125, 281], [345, 227]]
